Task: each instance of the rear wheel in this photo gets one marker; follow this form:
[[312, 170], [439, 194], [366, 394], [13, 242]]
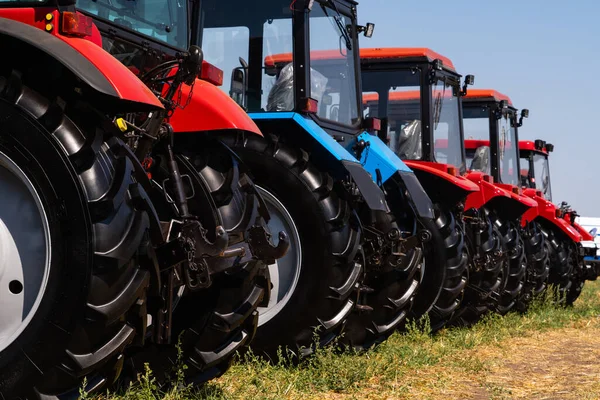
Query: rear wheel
[[517, 266], [487, 277], [216, 322], [562, 265], [69, 237], [314, 281], [387, 293], [456, 276], [538, 266]]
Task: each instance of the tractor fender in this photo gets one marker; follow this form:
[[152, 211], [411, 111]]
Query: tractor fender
[[547, 216], [327, 154], [440, 186], [390, 171], [585, 235], [210, 109], [108, 82], [487, 192], [514, 207]]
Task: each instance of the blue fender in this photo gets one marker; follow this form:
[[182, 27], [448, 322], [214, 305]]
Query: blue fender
[[384, 164], [328, 153]]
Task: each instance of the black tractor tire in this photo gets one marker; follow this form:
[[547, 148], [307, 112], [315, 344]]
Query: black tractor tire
[[538, 266], [456, 275], [95, 286], [330, 269], [562, 265], [485, 285], [514, 247], [387, 294], [213, 324]]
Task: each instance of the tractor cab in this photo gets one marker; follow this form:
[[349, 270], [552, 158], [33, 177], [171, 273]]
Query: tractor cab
[[535, 167], [491, 136], [415, 93], [287, 56]]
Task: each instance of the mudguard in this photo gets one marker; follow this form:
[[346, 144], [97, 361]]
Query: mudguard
[[440, 186], [329, 154], [388, 169], [546, 214], [585, 235], [210, 109], [499, 198], [99, 70]]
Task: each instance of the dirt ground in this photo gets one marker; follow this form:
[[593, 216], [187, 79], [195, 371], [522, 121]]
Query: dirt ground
[[558, 364]]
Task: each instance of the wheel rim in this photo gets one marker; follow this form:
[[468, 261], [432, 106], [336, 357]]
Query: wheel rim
[[285, 272], [24, 251]]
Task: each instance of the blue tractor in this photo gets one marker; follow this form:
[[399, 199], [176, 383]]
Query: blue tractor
[[361, 228]]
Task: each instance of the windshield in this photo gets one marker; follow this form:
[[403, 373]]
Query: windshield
[[508, 151], [476, 122], [261, 34], [333, 74], [396, 95], [163, 20], [541, 170], [446, 123]]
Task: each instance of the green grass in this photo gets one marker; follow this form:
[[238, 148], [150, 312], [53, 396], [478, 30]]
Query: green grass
[[407, 363]]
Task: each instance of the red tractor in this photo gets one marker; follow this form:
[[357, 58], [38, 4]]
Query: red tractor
[[115, 233], [417, 95], [573, 252], [491, 129]]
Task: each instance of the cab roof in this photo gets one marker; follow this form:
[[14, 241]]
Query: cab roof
[[486, 94], [409, 95], [388, 53], [530, 146], [405, 53]]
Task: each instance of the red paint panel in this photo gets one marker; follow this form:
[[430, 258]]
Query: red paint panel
[[529, 145], [440, 170], [406, 52], [127, 85], [210, 109], [547, 210], [487, 94], [487, 191]]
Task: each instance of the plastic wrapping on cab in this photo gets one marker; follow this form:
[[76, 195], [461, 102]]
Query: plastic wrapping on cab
[[281, 95]]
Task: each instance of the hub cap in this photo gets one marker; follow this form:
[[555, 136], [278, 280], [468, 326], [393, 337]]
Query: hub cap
[[286, 270], [24, 251]]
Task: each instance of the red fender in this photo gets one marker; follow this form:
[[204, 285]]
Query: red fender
[[487, 191], [441, 170], [89, 61], [525, 200], [547, 210], [210, 109], [585, 235]]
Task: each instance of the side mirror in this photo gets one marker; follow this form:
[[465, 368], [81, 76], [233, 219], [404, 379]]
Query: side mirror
[[367, 30], [524, 114], [469, 81], [239, 84]]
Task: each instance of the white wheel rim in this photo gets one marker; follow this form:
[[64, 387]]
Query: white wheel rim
[[24, 251], [285, 272]]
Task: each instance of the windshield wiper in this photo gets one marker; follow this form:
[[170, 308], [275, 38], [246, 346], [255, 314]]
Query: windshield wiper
[[338, 21]]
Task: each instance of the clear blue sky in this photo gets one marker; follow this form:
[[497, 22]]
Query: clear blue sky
[[544, 55]]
